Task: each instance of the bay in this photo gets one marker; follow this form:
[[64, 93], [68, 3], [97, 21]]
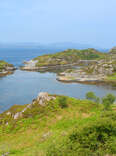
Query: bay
[[22, 86]]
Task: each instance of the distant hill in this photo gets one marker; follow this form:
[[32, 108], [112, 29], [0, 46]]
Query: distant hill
[[59, 46]]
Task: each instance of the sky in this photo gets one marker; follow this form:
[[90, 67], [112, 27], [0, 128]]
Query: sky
[[47, 21]]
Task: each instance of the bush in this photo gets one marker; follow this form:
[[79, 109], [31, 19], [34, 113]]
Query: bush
[[93, 139], [90, 95], [109, 114], [63, 102], [93, 97], [108, 100]]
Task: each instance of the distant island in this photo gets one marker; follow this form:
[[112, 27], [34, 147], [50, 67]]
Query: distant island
[[65, 58]]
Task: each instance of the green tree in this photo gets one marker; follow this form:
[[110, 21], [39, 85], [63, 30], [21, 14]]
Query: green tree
[[63, 102], [90, 96], [108, 100], [93, 97]]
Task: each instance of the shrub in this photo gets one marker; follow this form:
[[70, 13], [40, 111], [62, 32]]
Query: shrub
[[93, 97], [108, 100], [109, 114], [90, 95], [93, 139], [63, 102]]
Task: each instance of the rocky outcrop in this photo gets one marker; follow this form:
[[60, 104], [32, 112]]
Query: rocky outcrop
[[29, 65], [62, 59], [96, 72], [6, 68], [81, 77], [101, 68], [18, 115], [42, 99]]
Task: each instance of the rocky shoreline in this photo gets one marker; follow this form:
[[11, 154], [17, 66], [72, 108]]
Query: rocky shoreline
[[31, 66], [100, 73], [7, 71], [92, 71], [80, 77], [17, 111]]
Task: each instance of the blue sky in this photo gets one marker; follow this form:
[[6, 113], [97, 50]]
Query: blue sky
[[82, 21]]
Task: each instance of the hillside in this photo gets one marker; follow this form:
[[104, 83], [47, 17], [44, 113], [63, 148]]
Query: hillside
[[58, 125], [66, 58], [69, 56]]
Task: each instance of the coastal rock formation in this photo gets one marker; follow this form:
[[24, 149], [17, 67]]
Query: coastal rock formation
[[6, 68], [96, 72], [30, 65], [63, 59], [80, 76], [42, 99], [18, 115]]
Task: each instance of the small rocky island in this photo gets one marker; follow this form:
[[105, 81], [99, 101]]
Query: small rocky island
[[6, 68], [82, 66], [65, 59]]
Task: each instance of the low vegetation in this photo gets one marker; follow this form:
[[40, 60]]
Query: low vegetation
[[64, 127], [69, 56]]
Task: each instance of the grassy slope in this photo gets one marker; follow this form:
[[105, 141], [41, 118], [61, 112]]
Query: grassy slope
[[68, 57], [33, 135]]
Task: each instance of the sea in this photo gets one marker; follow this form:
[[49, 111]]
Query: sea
[[22, 86]]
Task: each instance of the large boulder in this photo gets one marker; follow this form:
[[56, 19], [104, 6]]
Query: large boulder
[[18, 115], [44, 97]]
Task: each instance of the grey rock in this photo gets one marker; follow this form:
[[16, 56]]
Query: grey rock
[[8, 113], [43, 97], [17, 115]]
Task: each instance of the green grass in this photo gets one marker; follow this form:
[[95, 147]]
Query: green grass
[[41, 129], [41, 126]]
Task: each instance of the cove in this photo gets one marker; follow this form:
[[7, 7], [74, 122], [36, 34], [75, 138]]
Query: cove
[[22, 87]]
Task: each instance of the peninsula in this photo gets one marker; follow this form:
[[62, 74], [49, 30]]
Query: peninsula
[[65, 59], [6, 68]]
